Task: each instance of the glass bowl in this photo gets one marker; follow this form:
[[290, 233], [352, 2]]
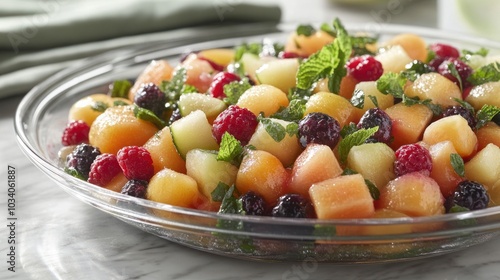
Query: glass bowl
[[42, 115]]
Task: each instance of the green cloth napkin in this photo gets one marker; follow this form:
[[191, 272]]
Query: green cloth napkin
[[41, 37]]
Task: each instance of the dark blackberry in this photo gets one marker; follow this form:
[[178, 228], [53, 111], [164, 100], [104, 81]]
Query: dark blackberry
[[292, 206], [81, 158], [150, 97], [496, 119], [463, 70], [135, 188], [253, 204], [377, 117], [319, 128], [469, 194], [462, 111]]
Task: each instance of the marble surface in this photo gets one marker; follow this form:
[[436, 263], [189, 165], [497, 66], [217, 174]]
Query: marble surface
[[59, 237]]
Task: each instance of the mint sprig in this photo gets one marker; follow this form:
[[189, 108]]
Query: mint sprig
[[392, 83], [486, 114], [234, 90], [354, 139], [458, 165], [230, 149], [485, 74], [120, 88], [294, 111], [99, 106], [147, 115], [327, 63], [305, 30]]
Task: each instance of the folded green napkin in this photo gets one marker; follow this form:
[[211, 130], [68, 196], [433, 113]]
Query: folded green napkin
[[41, 37]]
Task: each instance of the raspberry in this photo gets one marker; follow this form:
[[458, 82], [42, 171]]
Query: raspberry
[[285, 55], [136, 163], [377, 117], [221, 79], [412, 158], [237, 121], [435, 62], [463, 70], [469, 194], [76, 132], [81, 158], [319, 128], [135, 188], [292, 206], [253, 204], [462, 111], [364, 68], [103, 169], [215, 66], [444, 50], [149, 96]]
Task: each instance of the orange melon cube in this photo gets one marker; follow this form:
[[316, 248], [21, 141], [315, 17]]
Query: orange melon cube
[[408, 123], [156, 72], [343, 197], [442, 170], [488, 134], [163, 152]]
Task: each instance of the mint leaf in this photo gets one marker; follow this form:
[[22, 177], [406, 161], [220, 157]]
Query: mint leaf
[[349, 171], [465, 104], [253, 48], [359, 44], [230, 149], [354, 139], [306, 30], [188, 89], [324, 230], [348, 129], [466, 54], [374, 100], [454, 73], [327, 62], [294, 111], [292, 129], [120, 103], [147, 115], [358, 99], [73, 172], [392, 83], [219, 192], [410, 101], [99, 106], [457, 208], [325, 27], [234, 90], [120, 88], [174, 88], [274, 129], [458, 164], [486, 114], [374, 192], [485, 74]]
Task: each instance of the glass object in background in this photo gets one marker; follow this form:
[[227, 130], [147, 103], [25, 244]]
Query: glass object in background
[[479, 17]]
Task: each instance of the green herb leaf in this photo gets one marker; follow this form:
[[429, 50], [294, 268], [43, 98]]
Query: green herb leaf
[[219, 192], [410, 101], [188, 89], [392, 83], [73, 172], [485, 74], [481, 52], [274, 129], [292, 129], [325, 27], [120, 103], [99, 106], [294, 111], [120, 88], [458, 165], [360, 43], [349, 171], [374, 100], [457, 208], [234, 90], [454, 73], [354, 139], [358, 99], [486, 114], [230, 149], [374, 192], [253, 48], [327, 62], [466, 105], [306, 30], [430, 56], [174, 88], [324, 230], [147, 115], [348, 129]]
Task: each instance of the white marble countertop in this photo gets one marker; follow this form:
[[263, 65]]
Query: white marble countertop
[[59, 237]]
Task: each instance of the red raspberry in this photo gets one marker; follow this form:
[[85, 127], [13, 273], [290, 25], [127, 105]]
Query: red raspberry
[[220, 80], [444, 50], [463, 70], [76, 132], [364, 68], [103, 169], [412, 158], [239, 122], [136, 163]]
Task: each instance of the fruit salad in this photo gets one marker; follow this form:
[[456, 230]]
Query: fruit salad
[[325, 125]]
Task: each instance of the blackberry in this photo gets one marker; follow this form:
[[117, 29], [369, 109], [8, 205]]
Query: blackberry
[[150, 97], [496, 119], [253, 204], [292, 206], [135, 188], [462, 111], [377, 117], [469, 194], [319, 128], [81, 158]]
